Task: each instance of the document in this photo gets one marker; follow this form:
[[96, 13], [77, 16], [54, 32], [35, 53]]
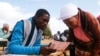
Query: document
[[58, 45]]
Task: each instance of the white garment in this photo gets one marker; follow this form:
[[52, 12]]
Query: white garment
[[58, 36], [68, 11], [64, 38]]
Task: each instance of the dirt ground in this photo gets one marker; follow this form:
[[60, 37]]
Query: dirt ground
[[46, 41]]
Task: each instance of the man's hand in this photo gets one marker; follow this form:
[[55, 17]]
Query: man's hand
[[46, 50]]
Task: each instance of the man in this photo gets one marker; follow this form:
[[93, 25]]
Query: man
[[84, 30], [57, 36], [4, 32], [64, 35], [30, 46]]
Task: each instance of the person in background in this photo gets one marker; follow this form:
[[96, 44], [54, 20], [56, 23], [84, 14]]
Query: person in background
[[5, 32], [84, 30], [64, 35], [31, 45], [57, 36]]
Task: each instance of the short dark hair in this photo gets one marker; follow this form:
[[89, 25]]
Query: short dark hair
[[58, 32], [41, 12]]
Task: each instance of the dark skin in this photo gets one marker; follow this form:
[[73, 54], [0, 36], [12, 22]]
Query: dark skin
[[41, 23]]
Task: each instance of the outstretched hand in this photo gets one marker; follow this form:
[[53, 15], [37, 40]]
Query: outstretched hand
[[46, 50]]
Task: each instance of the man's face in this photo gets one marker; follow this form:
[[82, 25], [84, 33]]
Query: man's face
[[43, 21], [71, 22]]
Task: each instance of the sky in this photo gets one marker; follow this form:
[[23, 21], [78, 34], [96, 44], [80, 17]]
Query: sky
[[12, 11]]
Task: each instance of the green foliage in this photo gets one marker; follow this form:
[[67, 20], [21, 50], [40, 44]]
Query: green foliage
[[47, 32]]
